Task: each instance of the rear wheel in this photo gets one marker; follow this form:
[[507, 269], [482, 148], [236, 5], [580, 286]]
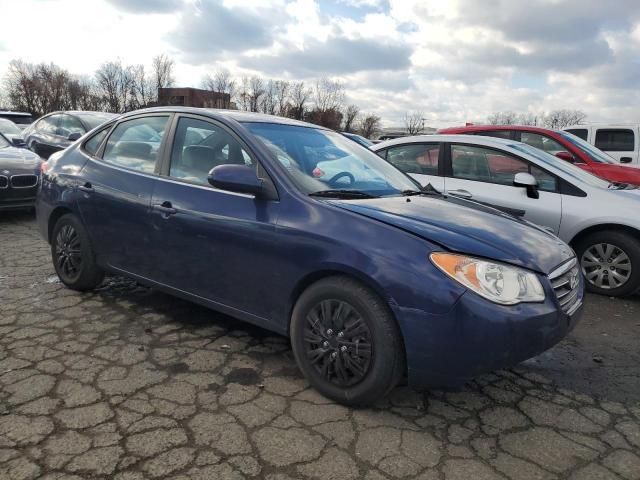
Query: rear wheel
[[346, 341], [610, 262], [73, 257]]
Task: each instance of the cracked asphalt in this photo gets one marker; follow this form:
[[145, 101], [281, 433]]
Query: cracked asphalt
[[128, 383]]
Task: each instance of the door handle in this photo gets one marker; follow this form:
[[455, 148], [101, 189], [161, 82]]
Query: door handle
[[460, 193], [86, 188], [166, 209], [626, 160]]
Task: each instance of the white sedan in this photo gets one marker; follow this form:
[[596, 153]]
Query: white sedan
[[598, 219]]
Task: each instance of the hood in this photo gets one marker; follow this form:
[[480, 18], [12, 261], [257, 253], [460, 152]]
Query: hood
[[617, 173], [468, 227], [18, 158]]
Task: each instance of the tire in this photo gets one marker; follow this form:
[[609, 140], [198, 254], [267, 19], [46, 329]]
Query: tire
[[72, 255], [332, 323], [608, 258]]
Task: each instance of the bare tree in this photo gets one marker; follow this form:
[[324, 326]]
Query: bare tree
[[41, 88], [414, 122], [268, 102], [369, 125], [328, 95], [115, 85], [256, 91], [503, 118], [282, 97], [299, 98], [558, 119], [350, 118], [143, 92], [162, 70], [221, 82]]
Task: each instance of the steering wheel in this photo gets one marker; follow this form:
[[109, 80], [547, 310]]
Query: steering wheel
[[334, 180]]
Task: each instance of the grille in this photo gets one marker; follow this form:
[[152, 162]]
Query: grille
[[24, 181], [565, 281], [4, 181]]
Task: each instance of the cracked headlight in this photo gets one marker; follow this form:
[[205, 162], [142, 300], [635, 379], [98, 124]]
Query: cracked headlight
[[497, 282]]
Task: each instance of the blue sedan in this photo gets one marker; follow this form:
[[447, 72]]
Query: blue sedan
[[299, 230]]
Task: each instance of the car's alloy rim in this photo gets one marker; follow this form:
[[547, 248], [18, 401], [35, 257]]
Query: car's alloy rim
[[606, 266], [68, 255], [338, 342]]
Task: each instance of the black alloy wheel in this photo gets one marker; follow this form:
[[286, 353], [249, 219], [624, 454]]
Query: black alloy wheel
[[346, 341], [338, 342], [72, 255], [68, 254]]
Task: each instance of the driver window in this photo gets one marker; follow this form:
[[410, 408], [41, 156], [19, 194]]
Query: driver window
[[200, 146], [494, 166]]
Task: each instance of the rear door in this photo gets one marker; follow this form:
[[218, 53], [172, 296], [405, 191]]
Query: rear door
[[486, 175], [116, 187], [420, 160], [621, 143]]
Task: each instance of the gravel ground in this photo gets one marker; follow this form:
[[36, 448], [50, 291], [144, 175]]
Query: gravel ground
[[128, 383]]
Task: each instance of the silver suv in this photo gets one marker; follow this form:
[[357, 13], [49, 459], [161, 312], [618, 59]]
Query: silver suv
[[600, 220]]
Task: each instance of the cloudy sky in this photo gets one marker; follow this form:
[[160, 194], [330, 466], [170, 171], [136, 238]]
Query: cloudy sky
[[455, 60]]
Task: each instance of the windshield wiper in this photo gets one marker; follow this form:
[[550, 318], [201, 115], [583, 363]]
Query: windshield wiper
[[342, 194]]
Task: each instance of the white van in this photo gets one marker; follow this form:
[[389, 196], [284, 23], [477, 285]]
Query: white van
[[621, 141]]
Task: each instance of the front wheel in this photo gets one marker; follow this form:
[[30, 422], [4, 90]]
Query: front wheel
[[73, 257], [346, 341], [610, 263]]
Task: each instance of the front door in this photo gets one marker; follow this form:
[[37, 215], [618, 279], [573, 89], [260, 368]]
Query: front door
[[116, 189], [215, 244], [486, 175]]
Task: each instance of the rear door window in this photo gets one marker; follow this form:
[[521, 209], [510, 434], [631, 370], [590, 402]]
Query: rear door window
[[615, 139], [415, 158], [134, 144], [508, 134]]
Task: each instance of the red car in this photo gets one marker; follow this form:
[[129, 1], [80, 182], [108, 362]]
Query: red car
[[561, 144]]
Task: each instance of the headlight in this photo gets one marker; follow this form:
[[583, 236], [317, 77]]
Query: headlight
[[497, 282]]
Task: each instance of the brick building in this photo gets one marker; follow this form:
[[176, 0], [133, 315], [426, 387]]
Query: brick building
[[193, 97]]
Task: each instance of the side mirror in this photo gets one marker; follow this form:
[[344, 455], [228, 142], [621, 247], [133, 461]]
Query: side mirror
[[236, 178], [527, 181], [565, 156], [18, 142], [74, 136]]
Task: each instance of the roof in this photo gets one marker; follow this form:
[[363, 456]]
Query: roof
[[475, 139], [482, 128], [237, 115]]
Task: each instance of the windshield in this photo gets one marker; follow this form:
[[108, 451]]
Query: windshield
[[3, 142], [7, 126], [576, 172], [94, 119], [321, 160], [594, 153]]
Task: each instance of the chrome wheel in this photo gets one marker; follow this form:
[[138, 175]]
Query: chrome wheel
[[68, 253], [338, 342], [606, 266]]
